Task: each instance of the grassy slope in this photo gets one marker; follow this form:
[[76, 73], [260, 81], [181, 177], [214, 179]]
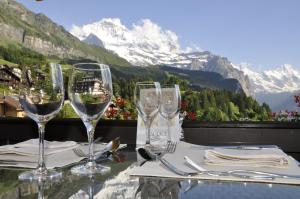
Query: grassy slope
[[36, 24], [2, 61]]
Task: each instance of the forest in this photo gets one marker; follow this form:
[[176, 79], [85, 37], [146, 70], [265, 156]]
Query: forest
[[203, 104]]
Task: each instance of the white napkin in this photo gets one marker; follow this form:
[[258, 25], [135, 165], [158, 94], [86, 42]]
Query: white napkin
[[57, 154], [30, 147], [159, 131], [256, 158]]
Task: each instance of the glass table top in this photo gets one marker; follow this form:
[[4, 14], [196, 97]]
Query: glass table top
[[117, 184]]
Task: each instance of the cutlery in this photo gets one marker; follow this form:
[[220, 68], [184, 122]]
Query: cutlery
[[79, 152], [171, 147], [239, 147], [252, 174], [95, 141], [214, 173], [111, 147], [148, 155]]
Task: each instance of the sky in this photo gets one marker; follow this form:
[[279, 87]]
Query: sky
[[262, 33]]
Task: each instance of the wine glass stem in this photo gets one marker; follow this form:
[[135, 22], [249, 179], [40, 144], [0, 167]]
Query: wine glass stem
[[169, 132], [91, 144], [41, 186], [41, 163], [148, 124]]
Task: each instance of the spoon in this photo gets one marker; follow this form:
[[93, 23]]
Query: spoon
[[110, 148], [148, 155]]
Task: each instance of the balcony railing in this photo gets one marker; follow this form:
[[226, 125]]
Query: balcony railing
[[285, 135]]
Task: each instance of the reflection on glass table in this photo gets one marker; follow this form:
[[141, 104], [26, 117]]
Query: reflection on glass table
[[118, 184]]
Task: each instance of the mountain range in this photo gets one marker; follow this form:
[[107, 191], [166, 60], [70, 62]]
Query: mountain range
[[131, 50], [146, 43], [23, 30]]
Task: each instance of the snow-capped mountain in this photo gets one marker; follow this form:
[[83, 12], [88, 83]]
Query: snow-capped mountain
[[146, 43], [276, 87], [279, 80], [93, 40]]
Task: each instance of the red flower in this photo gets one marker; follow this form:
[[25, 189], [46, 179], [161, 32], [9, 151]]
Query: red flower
[[126, 115], [184, 105], [120, 102], [111, 112], [293, 113], [191, 115]]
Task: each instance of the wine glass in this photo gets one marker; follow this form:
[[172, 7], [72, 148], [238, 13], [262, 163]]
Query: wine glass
[[90, 93], [146, 99], [41, 96], [170, 102]]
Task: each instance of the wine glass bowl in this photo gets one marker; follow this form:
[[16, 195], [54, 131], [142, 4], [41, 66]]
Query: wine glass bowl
[[90, 93], [170, 101], [41, 95]]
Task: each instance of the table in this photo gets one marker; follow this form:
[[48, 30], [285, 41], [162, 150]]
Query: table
[[117, 184]]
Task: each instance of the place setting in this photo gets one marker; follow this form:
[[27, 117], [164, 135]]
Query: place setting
[[42, 101], [168, 157]]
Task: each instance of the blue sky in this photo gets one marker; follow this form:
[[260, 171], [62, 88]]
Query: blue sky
[[264, 33]]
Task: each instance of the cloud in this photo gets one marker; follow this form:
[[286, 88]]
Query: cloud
[[145, 34]]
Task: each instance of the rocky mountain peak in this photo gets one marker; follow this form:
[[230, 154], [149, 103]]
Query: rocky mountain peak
[[22, 27], [146, 44], [93, 40]]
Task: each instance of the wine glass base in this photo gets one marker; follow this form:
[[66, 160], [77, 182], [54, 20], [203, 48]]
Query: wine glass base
[[35, 175], [90, 169]]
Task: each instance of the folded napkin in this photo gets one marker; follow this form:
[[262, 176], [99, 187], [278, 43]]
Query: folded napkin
[[255, 158], [30, 147], [57, 154]]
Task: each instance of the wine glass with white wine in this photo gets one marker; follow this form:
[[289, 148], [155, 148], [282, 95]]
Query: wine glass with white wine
[[90, 92], [41, 95]]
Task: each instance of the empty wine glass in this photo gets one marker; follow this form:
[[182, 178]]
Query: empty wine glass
[[146, 99], [170, 102], [90, 93], [41, 96]]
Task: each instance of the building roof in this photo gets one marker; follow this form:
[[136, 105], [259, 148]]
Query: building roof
[[13, 101], [10, 72]]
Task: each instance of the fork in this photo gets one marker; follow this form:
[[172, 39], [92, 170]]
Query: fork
[[251, 174], [213, 173], [79, 152], [171, 146]]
